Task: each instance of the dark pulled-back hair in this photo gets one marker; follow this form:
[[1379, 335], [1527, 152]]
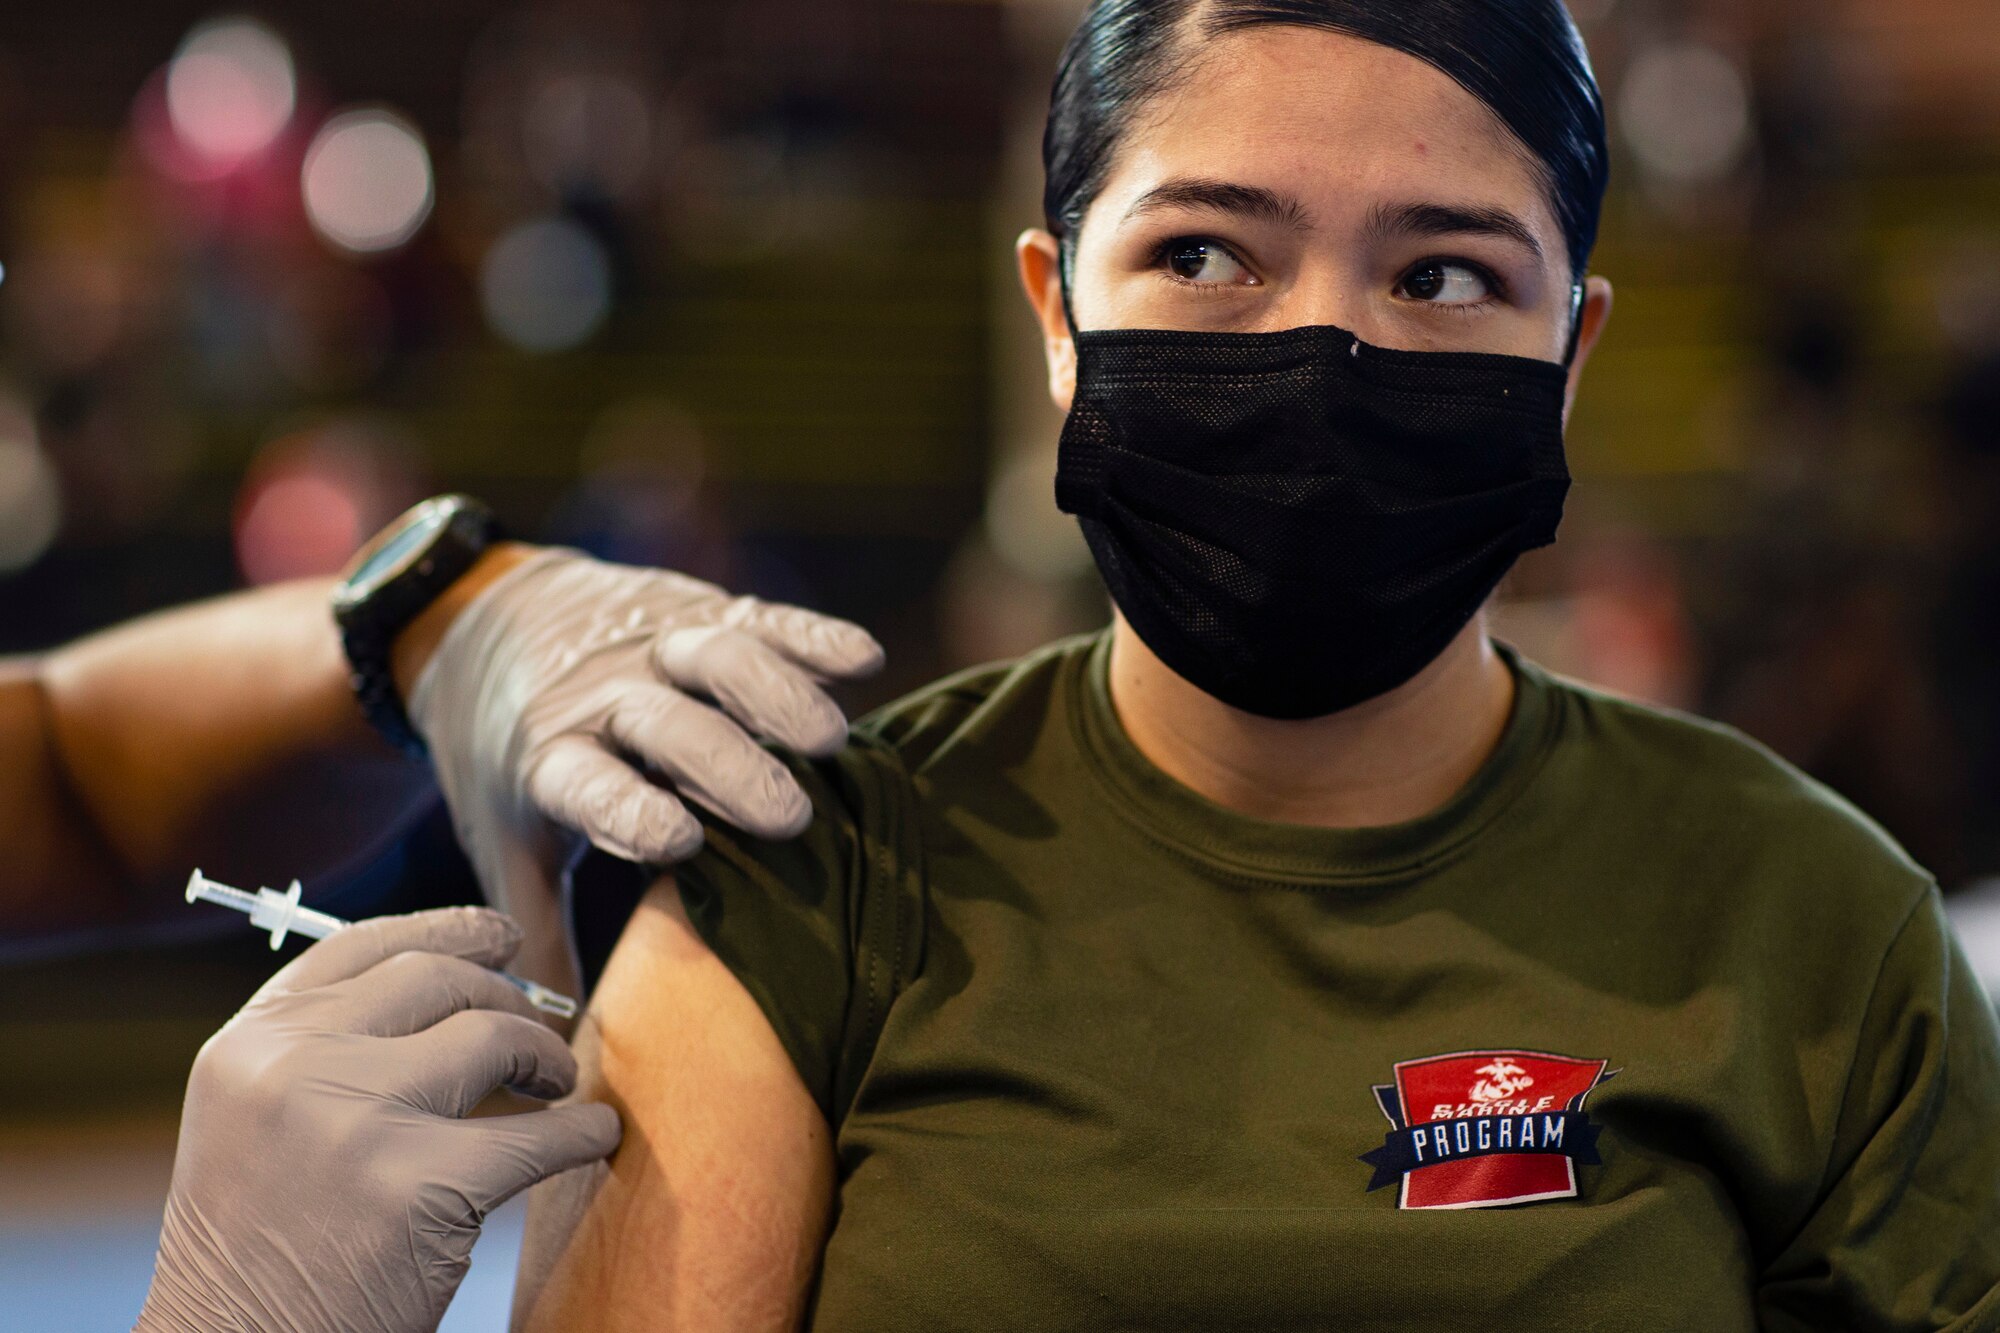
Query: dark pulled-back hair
[[1523, 58]]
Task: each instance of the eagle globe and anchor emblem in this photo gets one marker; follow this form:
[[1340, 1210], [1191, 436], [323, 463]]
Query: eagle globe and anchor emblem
[[1501, 1081]]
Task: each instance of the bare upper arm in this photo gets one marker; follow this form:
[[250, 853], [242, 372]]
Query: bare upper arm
[[713, 1211]]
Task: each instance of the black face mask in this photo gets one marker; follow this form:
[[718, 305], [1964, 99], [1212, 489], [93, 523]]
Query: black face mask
[[1296, 522]]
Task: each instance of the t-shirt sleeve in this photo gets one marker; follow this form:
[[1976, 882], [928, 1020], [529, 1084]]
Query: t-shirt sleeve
[[1906, 1232], [823, 929]]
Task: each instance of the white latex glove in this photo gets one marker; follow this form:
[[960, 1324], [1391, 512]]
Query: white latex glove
[[326, 1179], [567, 675]]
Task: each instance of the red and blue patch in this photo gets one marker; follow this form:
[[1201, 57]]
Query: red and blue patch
[[1483, 1129]]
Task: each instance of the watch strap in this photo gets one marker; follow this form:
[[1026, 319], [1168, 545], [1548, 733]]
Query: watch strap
[[370, 621]]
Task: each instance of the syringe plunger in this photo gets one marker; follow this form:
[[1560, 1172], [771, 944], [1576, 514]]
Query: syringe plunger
[[279, 913]]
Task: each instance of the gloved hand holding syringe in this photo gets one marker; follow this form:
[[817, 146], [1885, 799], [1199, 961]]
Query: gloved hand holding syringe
[[281, 913]]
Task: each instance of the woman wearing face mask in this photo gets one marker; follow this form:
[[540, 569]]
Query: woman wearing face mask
[[1289, 955]]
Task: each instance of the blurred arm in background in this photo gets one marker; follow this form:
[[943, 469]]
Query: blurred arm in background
[[222, 734]]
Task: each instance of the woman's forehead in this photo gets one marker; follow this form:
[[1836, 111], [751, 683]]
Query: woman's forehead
[[1340, 124]]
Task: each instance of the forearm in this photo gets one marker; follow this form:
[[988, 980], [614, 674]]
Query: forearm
[[222, 734]]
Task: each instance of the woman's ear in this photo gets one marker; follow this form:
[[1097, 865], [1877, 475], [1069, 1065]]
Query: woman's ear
[[1039, 257], [1596, 313]]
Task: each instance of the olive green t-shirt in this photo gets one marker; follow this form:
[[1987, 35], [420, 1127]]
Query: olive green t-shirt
[[1643, 1030]]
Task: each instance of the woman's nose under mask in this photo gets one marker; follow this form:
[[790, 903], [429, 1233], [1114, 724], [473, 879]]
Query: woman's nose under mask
[[1296, 522]]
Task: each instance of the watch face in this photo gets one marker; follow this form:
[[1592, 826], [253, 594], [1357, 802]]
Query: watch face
[[397, 548]]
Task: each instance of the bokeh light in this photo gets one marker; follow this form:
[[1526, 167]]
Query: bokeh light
[[546, 285], [30, 491], [231, 89], [312, 497], [330, 329], [367, 181], [644, 492], [1023, 525], [1966, 282], [1685, 109], [69, 305], [588, 130], [297, 525]]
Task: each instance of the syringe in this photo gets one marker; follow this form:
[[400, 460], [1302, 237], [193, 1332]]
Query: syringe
[[281, 914]]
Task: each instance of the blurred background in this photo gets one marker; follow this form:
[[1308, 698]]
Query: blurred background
[[728, 287]]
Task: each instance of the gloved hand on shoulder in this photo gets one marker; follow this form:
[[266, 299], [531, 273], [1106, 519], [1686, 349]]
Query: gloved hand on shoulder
[[571, 694]]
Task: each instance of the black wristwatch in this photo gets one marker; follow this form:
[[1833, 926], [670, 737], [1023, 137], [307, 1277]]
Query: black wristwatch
[[402, 570]]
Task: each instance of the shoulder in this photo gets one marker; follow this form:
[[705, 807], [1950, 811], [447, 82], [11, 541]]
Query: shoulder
[[925, 724], [1704, 793], [861, 792]]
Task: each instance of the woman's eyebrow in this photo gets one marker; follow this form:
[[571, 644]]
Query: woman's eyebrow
[[1391, 220], [1223, 197], [1384, 220]]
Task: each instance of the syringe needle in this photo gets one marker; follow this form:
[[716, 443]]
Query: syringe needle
[[544, 999]]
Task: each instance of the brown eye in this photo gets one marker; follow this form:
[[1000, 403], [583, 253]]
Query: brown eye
[[1425, 282], [1197, 260], [1442, 282]]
